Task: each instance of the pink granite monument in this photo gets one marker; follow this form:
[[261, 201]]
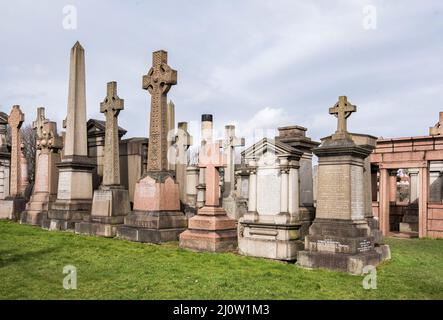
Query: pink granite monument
[[156, 216]]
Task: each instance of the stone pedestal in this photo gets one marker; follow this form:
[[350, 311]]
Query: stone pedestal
[[340, 237], [156, 217], [211, 229], [110, 207], [273, 226], [11, 207]]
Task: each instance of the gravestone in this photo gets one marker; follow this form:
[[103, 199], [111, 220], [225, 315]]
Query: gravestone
[[14, 203], [156, 216], [230, 200], [5, 157], [211, 229], [74, 194], [206, 133], [272, 226], [340, 237], [183, 140], [48, 148], [111, 201]]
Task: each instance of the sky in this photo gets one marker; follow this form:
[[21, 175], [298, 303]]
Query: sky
[[253, 63]]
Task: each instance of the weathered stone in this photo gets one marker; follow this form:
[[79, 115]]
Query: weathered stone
[[183, 140], [44, 194], [271, 228], [340, 237], [156, 216], [74, 194], [111, 200], [5, 157]]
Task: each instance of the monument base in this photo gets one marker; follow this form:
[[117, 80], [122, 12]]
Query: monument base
[[235, 207], [210, 230], [64, 214], [152, 226], [278, 241], [110, 205], [37, 209], [10, 208], [341, 245]]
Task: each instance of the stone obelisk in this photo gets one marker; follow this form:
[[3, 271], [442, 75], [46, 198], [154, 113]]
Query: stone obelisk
[[111, 202], [44, 194], [340, 237], [156, 216], [74, 195], [14, 204]]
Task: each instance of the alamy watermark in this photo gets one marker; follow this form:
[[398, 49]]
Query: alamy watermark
[[370, 280], [369, 17], [70, 280], [70, 17]]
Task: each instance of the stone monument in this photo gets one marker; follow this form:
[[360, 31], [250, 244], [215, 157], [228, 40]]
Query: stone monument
[[74, 195], [211, 229], [111, 202], [230, 203], [272, 226], [183, 141], [340, 237], [14, 203], [44, 194], [156, 216], [5, 157]]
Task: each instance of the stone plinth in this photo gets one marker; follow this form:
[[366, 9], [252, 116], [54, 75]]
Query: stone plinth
[[211, 229], [272, 227], [340, 237]]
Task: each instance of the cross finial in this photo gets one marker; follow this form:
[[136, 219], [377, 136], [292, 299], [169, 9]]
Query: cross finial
[[16, 118], [112, 103], [39, 122], [342, 110], [161, 76]]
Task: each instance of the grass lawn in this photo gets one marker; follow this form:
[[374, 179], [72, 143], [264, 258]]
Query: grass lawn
[[32, 261]]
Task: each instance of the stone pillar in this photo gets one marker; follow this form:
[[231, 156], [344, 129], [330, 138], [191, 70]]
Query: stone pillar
[[110, 203], [183, 140], [156, 216], [384, 201], [423, 202], [284, 190], [393, 186], [73, 202], [414, 185], [192, 182], [206, 137], [252, 198], [340, 237], [374, 184], [294, 192], [14, 204], [49, 144]]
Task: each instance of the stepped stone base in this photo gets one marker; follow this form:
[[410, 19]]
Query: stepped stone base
[[64, 214], [341, 245], [210, 230], [270, 240], [153, 226], [99, 226], [36, 209], [10, 208]]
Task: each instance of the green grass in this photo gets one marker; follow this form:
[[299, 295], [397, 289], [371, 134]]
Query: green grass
[[32, 261]]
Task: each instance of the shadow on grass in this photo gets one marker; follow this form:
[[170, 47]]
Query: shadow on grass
[[11, 256]]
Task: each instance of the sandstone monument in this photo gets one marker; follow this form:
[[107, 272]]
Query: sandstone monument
[[14, 203], [230, 199], [211, 229], [5, 157], [272, 226], [74, 195], [183, 140], [44, 194], [340, 237], [156, 216], [111, 202]]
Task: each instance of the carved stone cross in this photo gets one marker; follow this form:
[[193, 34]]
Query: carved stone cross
[[111, 107], [229, 144], [39, 122], [158, 82], [342, 110], [212, 159], [15, 120]]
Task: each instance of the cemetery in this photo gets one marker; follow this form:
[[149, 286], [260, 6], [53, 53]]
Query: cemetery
[[285, 217]]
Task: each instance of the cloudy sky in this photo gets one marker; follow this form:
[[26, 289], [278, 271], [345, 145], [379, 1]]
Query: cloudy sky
[[257, 64]]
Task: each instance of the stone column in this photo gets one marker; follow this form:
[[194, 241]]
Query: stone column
[[374, 185], [414, 185], [24, 179], [423, 202], [206, 137], [284, 190], [252, 201], [183, 141], [384, 201], [191, 190], [294, 191], [393, 186]]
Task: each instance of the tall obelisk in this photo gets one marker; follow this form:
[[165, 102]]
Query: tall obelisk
[[74, 195], [156, 216]]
